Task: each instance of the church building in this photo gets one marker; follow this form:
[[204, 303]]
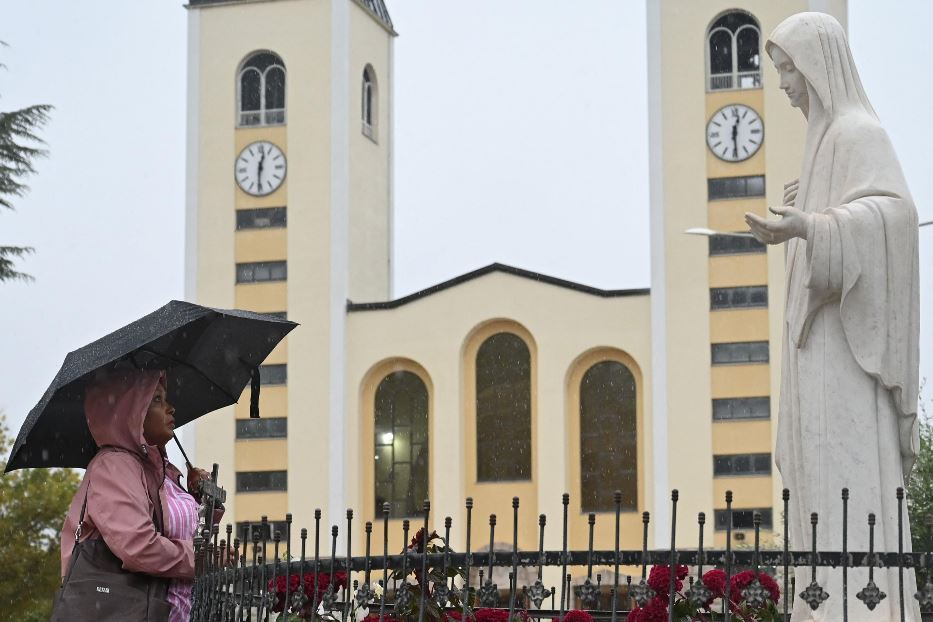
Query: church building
[[501, 382]]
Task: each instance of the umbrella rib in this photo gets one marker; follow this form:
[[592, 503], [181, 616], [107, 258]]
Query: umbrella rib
[[193, 368]]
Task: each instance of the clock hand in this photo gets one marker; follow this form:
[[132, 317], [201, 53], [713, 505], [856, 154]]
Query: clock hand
[[259, 170], [735, 143]]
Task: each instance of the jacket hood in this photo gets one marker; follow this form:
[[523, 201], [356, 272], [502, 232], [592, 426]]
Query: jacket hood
[[115, 406]]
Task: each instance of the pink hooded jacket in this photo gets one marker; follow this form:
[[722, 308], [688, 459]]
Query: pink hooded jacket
[[119, 506]]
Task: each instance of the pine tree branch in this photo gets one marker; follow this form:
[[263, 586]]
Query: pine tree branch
[[20, 147], [7, 269]]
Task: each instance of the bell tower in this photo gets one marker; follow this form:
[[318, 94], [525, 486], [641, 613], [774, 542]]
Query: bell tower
[[723, 141], [289, 212]]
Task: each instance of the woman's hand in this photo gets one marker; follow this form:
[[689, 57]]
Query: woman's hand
[[195, 475], [794, 223], [790, 192]]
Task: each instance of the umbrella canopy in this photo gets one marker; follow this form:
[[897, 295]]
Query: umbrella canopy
[[211, 355]]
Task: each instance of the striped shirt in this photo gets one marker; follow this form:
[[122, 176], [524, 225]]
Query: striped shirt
[[181, 524]]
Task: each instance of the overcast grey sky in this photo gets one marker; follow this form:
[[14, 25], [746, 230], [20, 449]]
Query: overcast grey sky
[[521, 137]]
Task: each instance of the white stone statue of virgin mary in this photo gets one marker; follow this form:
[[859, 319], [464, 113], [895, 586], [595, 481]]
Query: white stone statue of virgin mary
[[849, 376]]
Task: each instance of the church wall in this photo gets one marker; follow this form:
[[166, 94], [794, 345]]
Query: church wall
[[300, 32], [440, 333], [370, 199]]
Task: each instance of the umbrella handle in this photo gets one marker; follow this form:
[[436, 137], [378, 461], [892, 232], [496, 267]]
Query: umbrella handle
[[182, 449], [254, 394]]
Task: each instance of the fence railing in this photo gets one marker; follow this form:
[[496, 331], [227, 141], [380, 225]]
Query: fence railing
[[429, 581]]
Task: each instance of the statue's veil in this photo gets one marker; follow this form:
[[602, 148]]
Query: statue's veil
[[816, 43]]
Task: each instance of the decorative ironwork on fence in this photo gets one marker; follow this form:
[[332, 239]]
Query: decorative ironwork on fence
[[429, 581]]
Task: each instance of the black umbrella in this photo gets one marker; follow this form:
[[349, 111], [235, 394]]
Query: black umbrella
[[211, 355]]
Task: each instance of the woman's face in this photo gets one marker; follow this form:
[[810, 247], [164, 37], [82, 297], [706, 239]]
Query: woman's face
[[159, 425], [792, 83]]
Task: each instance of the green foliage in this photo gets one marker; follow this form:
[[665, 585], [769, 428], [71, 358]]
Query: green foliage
[[33, 503], [20, 147], [920, 486]]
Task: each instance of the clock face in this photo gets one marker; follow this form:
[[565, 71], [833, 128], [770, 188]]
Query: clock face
[[260, 168], [735, 133]]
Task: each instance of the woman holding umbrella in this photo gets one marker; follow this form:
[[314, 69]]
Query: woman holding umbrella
[[130, 511]]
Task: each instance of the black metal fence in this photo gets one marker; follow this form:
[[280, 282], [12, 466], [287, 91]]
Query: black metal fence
[[429, 581]]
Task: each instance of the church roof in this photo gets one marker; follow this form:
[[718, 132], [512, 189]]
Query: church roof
[[377, 8], [496, 267]]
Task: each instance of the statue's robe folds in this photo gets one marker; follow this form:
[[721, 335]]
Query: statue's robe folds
[[848, 404]]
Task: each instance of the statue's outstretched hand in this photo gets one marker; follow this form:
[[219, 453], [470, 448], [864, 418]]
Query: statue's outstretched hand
[[793, 224], [790, 191]]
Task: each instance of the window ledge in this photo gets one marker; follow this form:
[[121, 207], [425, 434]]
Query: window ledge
[[369, 132]]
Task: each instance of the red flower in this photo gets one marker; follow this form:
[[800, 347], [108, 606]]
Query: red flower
[[576, 615], [660, 579], [654, 611], [417, 543], [498, 615], [743, 579], [308, 581], [715, 580]]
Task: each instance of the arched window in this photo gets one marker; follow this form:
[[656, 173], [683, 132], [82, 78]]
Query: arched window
[[369, 102], [608, 458], [401, 443], [261, 87], [734, 52], [503, 409]]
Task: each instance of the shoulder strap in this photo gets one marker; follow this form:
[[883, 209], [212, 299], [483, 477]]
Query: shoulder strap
[[74, 548]]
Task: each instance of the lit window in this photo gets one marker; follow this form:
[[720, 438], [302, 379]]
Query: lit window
[[743, 352], [369, 102], [734, 52], [401, 443], [608, 458], [741, 464], [503, 409], [726, 409], [258, 272], [261, 481], [261, 218], [261, 86], [738, 297]]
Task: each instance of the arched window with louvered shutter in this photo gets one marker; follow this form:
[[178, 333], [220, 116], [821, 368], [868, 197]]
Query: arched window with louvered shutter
[[733, 52], [261, 90]]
